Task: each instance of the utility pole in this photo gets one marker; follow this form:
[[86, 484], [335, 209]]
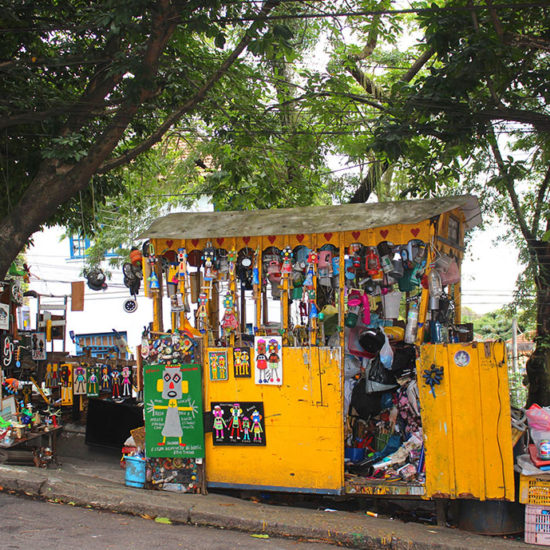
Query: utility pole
[[515, 355]]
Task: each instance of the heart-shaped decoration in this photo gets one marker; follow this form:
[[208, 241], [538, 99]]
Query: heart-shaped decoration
[[328, 236], [384, 233], [194, 242], [355, 234], [300, 238], [246, 240], [220, 241], [169, 244], [415, 231], [271, 238]]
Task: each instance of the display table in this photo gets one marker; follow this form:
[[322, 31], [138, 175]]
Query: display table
[[32, 440]]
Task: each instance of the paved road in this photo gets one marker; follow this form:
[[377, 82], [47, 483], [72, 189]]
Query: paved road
[[26, 524]]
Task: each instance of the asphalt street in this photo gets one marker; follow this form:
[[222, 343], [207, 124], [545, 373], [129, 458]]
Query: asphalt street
[[27, 524]]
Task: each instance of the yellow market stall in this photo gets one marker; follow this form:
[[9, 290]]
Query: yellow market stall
[[332, 353]]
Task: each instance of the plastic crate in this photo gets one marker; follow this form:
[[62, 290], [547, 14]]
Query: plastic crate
[[537, 525], [534, 490]]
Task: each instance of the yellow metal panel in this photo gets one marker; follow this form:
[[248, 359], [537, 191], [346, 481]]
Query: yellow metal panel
[[303, 426], [467, 426]]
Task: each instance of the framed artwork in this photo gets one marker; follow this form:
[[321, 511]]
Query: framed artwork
[[8, 410], [51, 378], [217, 365], [173, 411], [235, 423], [38, 346], [268, 360], [6, 352], [241, 363]]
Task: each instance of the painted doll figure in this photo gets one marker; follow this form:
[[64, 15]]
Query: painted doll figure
[[93, 383], [236, 413], [126, 389], [171, 387], [261, 360], [246, 429], [273, 360], [115, 375], [79, 381], [55, 377], [256, 426], [105, 380], [219, 423]]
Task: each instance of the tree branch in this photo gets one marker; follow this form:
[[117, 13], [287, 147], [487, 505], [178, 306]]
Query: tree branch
[[199, 96], [540, 201]]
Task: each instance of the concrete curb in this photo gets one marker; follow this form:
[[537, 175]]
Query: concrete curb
[[225, 512]]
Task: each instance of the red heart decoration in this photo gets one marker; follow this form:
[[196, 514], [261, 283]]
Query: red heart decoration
[[271, 238], [415, 231], [169, 244], [384, 233], [328, 236], [195, 242], [355, 234], [300, 238], [246, 240], [220, 241]]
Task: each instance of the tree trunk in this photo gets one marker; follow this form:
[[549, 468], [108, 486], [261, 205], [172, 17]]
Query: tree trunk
[[538, 366]]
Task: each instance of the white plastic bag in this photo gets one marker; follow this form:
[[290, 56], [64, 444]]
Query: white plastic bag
[[386, 353]]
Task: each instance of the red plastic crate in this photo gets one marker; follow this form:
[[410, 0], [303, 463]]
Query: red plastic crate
[[537, 525]]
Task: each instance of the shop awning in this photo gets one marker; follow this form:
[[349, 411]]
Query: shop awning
[[309, 219]]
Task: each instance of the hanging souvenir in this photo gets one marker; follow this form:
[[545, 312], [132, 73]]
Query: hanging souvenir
[[66, 380], [202, 312], [6, 351], [286, 256], [232, 260], [217, 365], [241, 363], [79, 385], [268, 360], [92, 382], [173, 411], [229, 321], [238, 423], [209, 262]]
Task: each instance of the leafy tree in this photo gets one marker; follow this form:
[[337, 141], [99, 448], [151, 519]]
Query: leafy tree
[[88, 87], [479, 119]]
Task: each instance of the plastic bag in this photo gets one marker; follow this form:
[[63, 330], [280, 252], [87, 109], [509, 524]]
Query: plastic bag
[[386, 353], [379, 374], [538, 418]]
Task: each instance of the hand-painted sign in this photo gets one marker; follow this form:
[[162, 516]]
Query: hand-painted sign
[[173, 411]]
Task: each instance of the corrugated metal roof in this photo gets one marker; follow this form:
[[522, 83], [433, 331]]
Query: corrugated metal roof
[[309, 219]]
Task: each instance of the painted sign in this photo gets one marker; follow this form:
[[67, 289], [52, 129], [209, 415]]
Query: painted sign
[[79, 375], [66, 379], [235, 423], [173, 411]]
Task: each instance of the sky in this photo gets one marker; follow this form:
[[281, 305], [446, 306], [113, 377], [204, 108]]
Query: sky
[[489, 272]]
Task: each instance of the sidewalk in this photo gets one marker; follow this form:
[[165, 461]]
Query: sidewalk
[[98, 480]]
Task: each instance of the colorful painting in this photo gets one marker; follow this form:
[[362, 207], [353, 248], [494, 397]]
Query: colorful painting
[[268, 358], [116, 382], [79, 384], [235, 423], [51, 378], [217, 365], [66, 380], [241, 363], [7, 354], [4, 317], [173, 411], [92, 381]]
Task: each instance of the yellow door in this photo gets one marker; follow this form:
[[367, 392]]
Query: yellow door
[[304, 449], [466, 421]]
